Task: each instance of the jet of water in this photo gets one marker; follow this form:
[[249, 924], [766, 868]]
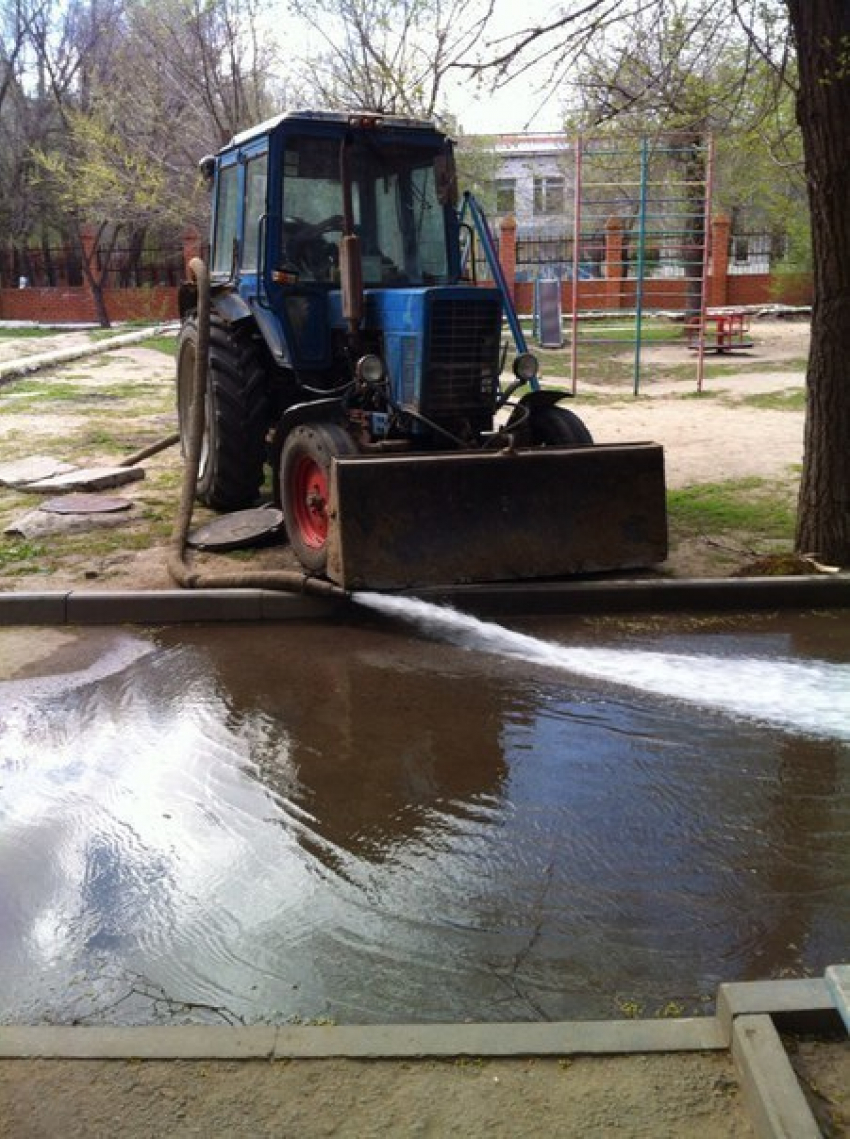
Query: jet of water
[[807, 697]]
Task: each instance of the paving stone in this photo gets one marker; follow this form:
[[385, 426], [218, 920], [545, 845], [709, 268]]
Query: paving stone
[[33, 469], [87, 478], [41, 524]]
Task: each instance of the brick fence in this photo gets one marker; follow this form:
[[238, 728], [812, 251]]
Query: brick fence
[[614, 290], [74, 304]]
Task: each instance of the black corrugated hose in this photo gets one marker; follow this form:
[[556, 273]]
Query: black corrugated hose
[[289, 581]]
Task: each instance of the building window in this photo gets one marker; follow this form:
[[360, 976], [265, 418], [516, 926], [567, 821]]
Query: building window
[[548, 196], [505, 196]]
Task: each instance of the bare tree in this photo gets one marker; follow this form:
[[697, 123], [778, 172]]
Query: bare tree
[[821, 32], [214, 61], [390, 56]]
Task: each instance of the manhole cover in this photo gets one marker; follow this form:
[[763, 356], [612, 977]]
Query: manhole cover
[[85, 504], [233, 531]]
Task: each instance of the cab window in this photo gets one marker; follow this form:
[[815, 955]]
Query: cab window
[[256, 170], [225, 221]]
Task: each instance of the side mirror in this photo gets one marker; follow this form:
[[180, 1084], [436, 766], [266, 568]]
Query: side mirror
[[207, 169]]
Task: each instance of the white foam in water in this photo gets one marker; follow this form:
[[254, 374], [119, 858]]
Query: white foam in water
[[809, 697]]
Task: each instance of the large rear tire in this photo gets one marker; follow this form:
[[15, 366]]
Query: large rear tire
[[233, 450], [305, 465]]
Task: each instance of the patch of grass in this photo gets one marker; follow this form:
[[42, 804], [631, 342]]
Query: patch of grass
[[26, 333], [793, 400], [754, 506], [49, 389], [166, 344], [631, 1009], [20, 556]]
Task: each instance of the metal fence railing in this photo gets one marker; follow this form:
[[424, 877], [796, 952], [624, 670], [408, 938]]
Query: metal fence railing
[[52, 267], [552, 257]]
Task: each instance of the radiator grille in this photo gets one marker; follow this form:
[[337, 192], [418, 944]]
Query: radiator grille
[[462, 362]]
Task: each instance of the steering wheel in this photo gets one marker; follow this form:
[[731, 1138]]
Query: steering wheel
[[307, 247]]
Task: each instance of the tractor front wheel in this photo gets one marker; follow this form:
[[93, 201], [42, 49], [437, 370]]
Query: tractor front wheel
[[305, 482], [558, 427]]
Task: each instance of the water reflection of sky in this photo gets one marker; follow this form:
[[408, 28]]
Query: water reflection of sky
[[357, 823]]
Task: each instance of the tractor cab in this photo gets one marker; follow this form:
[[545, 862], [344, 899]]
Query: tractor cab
[[312, 211]]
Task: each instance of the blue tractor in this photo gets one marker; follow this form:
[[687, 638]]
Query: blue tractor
[[349, 355]]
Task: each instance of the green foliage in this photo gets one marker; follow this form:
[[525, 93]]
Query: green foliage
[[477, 165]]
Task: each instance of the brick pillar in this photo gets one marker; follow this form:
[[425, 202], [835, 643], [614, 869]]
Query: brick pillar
[[615, 270], [192, 247], [507, 252], [718, 280]]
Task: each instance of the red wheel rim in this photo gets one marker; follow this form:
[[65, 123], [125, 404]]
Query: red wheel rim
[[310, 501]]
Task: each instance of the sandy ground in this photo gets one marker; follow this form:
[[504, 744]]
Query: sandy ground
[[712, 438], [648, 1096]]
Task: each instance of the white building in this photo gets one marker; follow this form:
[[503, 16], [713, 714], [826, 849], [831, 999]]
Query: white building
[[534, 182]]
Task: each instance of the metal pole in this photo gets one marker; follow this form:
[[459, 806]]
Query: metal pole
[[641, 262], [709, 188], [576, 262]]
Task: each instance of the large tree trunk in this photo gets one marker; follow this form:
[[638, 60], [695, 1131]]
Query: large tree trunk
[[822, 32]]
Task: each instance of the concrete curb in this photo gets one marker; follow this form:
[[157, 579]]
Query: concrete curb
[[97, 607], [373, 1042], [774, 1099], [29, 364], [652, 595]]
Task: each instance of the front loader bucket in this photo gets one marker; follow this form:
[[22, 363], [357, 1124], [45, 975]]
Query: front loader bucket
[[398, 522]]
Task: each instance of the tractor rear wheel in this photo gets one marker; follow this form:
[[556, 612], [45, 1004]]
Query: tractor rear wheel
[[558, 427], [233, 450], [305, 466]]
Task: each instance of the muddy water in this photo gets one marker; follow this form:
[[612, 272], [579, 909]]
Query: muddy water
[[378, 823]]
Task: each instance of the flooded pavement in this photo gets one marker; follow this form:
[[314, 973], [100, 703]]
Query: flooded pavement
[[375, 822]]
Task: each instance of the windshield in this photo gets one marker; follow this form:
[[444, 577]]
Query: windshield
[[397, 214]]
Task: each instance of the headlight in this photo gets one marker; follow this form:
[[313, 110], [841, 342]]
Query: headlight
[[526, 367], [370, 369]]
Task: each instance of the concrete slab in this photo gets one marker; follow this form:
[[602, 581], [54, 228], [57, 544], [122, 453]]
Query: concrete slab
[[86, 478], [162, 606], [837, 979], [276, 605], [362, 1041], [746, 998], [42, 524], [653, 595], [182, 1042], [555, 1039], [33, 469], [774, 1099], [33, 608]]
